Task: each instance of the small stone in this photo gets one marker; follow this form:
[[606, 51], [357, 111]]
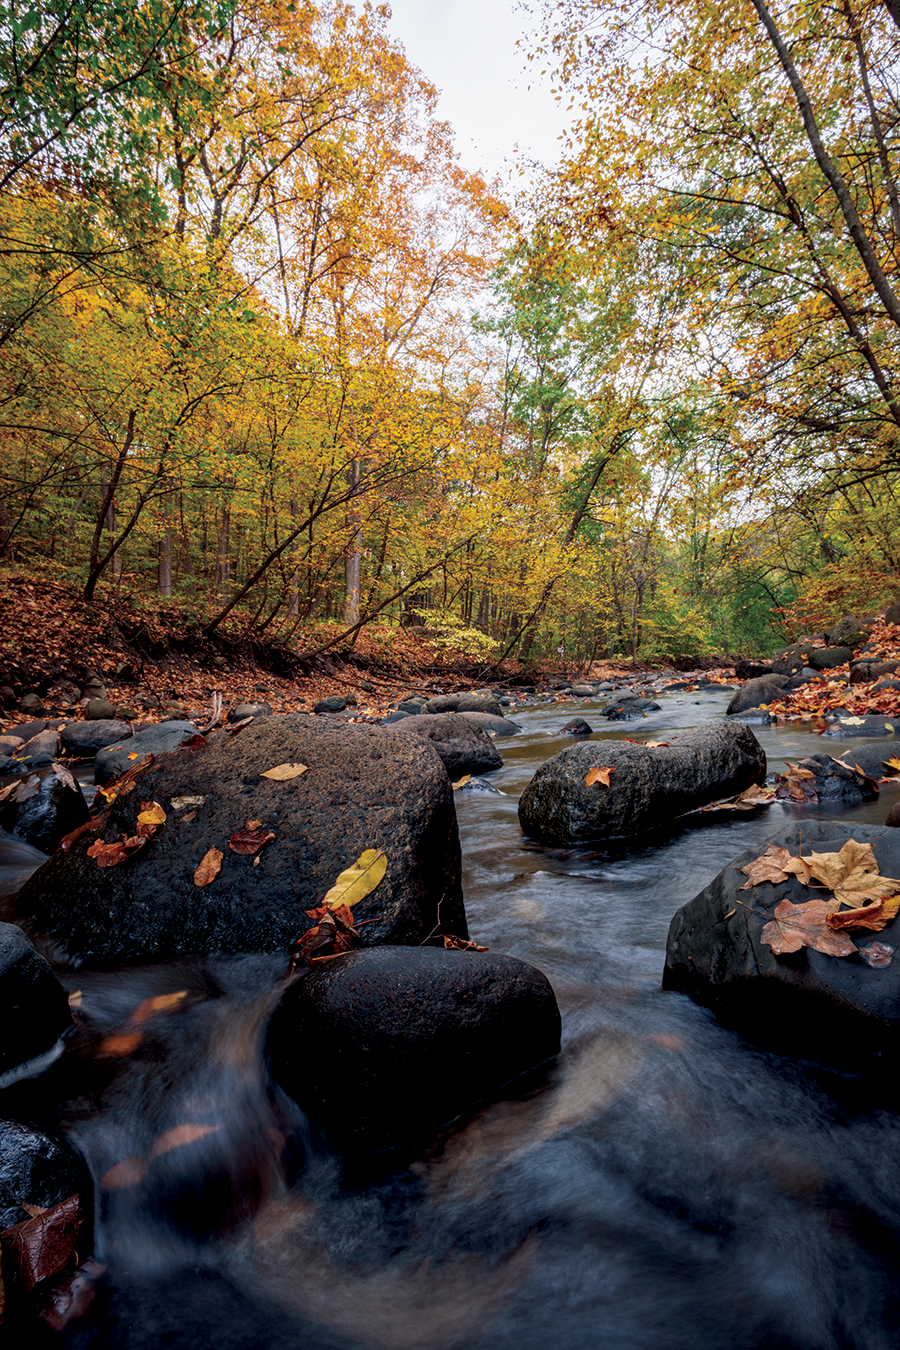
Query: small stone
[[99, 709], [245, 710], [367, 686], [334, 704], [32, 704]]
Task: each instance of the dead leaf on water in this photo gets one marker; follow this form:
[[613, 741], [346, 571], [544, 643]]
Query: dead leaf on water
[[129, 1172], [121, 1044], [209, 868], [160, 1003], [178, 1136], [283, 773]]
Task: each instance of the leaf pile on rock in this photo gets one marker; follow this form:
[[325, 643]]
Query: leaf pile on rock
[[334, 932], [797, 785], [870, 900]]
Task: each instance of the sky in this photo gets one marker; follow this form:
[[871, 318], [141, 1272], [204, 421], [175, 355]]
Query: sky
[[468, 49]]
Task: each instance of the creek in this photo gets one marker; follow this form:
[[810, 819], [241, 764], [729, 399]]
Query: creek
[[664, 1186]]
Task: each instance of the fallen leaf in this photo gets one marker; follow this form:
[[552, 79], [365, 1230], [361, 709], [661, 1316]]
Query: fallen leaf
[[795, 926], [43, 1246], [34, 1210], [892, 763], [187, 818], [797, 785], [151, 813], [653, 745], [456, 944], [194, 743], [180, 803], [775, 865], [112, 1047], [75, 998], [133, 755], [877, 954], [209, 868], [179, 1135], [853, 721], [747, 800], [129, 1172], [249, 840], [149, 1007], [62, 773], [461, 782], [873, 917], [359, 880], [110, 855], [89, 827], [599, 774], [282, 773]]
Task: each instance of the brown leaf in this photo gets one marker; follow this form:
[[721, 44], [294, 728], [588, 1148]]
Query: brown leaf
[[249, 840], [797, 785], [283, 773], [34, 1210], [877, 954], [747, 800], [194, 743], [775, 865], [126, 783], [599, 774], [209, 868], [129, 1172], [653, 745], [110, 855], [89, 827], [43, 1246], [873, 917], [457, 944], [179, 1135], [795, 926]]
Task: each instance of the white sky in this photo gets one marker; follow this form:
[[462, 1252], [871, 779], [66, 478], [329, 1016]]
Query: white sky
[[468, 49]]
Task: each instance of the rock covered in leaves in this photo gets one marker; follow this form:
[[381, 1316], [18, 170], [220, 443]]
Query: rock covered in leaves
[[43, 807], [841, 1009], [383, 1047], [462, 745], [822, 778], [37, 1169], [159, 739], [648, 785], [33, 1003], [326, 793]]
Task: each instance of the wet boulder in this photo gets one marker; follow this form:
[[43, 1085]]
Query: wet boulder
[[837, 1009], [577, 726], [752, 717], [406, 1039], [33, 1004], [649, 786], [493, 724], [847, 724], [161, 738], [462, 746], [871, 759], [834, 783], [43, 807], [756, 692], [84, 740], [362, 788], [627, 707], [463, 703], [36, 1169], [41, 748]]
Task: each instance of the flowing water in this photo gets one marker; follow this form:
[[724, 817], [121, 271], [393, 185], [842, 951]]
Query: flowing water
[[666, 1186]]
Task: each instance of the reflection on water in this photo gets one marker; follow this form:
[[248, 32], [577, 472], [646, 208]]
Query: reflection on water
[[667, 1187]]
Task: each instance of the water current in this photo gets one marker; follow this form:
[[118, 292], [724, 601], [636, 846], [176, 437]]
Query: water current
[[666, 1186]]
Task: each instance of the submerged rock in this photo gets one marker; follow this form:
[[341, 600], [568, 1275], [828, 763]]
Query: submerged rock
[[462, 745], [362, 788], [649, 786], [37, 1169], [627, 707], [383, 1047], [837, 1009]]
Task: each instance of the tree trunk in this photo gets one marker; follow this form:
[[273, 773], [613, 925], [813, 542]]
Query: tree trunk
[[353, 555]]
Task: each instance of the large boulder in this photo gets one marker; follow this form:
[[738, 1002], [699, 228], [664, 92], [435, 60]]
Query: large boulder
[[462, 703], [892, 613], [362, 788], [848, 632], [834, 783], [36, 1169], [405, 1039], [463, 747], [873, 724], [871, 759], [755, 693], [43, 808], [158, 739], [33, 1004], [491, 723], [837, 1009], [648, 787], [84, 740], [828, 658]]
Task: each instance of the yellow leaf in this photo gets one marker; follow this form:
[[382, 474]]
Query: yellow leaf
[[357, 881], [152, 814], [133, 755], [892, 763], [283, 772], [461, 782], [209, 868]]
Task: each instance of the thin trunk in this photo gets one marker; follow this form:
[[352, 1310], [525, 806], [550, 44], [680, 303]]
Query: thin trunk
[[353, 554], [97, 564]]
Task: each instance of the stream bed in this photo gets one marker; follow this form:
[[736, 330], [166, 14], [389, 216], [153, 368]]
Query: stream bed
[[664, 1186]]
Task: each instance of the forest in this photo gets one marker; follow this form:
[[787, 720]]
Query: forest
[[272, 356]]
